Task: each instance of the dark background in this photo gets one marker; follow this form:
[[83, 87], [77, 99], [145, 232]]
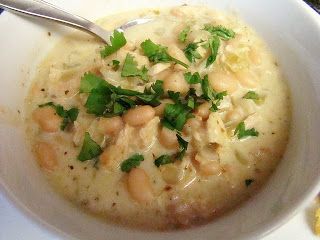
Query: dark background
[[315, 4]]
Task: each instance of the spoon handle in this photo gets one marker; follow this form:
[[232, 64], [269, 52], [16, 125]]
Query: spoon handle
[[46, 10]]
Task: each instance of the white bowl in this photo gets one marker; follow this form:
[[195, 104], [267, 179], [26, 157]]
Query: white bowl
[[292, 31]]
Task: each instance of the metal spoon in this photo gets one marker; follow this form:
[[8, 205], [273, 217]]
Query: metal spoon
[[46, 10]]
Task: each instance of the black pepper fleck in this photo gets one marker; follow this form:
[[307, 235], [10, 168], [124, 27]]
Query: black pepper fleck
[[71, 167], [65, 153], [66, 92], [114, 204], [42, 89], [49, 34]]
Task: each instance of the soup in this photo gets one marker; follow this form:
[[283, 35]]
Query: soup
[[174, 123]]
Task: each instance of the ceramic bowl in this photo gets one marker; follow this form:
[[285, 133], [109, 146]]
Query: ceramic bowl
[[292, 31]]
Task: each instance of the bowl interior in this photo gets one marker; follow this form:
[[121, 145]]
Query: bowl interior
[[292, 32]]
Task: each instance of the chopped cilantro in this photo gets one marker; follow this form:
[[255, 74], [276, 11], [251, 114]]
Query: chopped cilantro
[[248, 182], [68, 116], [175, 96], [192, 78], [90, 81], [192, 99], [251, 95], [214, 44], [117, 41], [90, 149], [131, 162], [254, 96], [157, 53], [191, 52], [183, 146], [220, 31], [210, 95], [166, 159], [107, 100], [115, 65], [175, 116], [242, 132], [130, 69], [184, 34], [162, 160]]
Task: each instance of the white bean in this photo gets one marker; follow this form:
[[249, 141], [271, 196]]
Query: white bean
[[223, 82], [46, 156], [203, 110], [139, 186], [176, 82], [110, 126], [168, 138], [47, 118], [139, 116]]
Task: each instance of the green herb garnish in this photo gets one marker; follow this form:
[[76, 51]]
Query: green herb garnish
[[117, 41], [176, 115], [184, 34], [242, 132], [90, 149], [131, 162], [115, 65], [166, 159], [107, 100], [210, 95], [251, 95], [220, 31], [162, 160], [192, 78], [130, 69], [157, 53], [68, 116], [183, 146], [191, 52], [214, 44]]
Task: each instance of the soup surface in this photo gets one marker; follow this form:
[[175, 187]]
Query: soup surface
[[174, 123]]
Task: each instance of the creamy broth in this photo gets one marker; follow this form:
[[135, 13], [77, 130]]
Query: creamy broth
[[232, 150]]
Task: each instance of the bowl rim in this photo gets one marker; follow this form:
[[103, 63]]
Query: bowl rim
[[262, 231]]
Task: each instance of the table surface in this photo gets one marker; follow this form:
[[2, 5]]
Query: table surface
[[15, 226]]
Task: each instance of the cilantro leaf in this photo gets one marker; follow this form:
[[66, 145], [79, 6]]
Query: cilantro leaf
[[191, 52], [184, 34], [208, 92], [115, 65], [117, 41], [89, 150], [104, 99], [175, 96], [192, 78], [254, 96], [90, 81], [68, 116], [166, 159], [251, 95], [220, 31], [130, 69], [131, 162], [242, 132], [157, 53], [211, 95], [183, 146], [192, 99], [162, 160], [175, 116], [214, 44]]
